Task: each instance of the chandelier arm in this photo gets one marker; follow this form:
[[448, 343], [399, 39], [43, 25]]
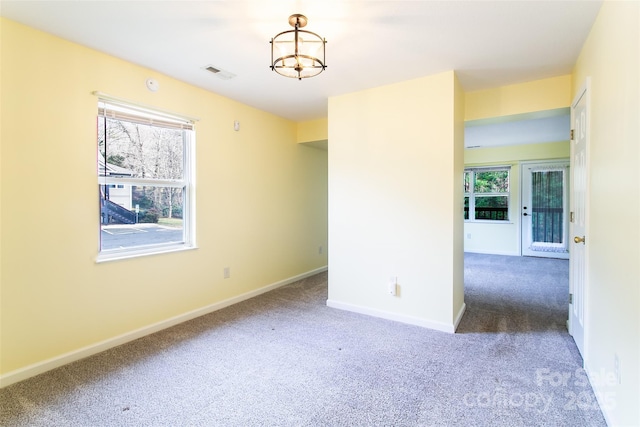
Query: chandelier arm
[[296, 40], [271, 42]]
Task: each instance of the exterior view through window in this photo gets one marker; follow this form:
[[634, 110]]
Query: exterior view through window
[[486, 194], [144, 180]]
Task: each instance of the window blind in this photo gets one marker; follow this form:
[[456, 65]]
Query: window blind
[[118, 109]]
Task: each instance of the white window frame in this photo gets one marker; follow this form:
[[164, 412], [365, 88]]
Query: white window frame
[[472, 193], [133, 112]]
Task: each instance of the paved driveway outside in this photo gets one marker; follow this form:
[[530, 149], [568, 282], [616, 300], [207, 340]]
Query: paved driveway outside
[[126, 235]]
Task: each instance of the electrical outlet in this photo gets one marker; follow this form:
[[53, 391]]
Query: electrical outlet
[[226, 273], [392, 286], [392, 289], [320, 250], [468, 235]]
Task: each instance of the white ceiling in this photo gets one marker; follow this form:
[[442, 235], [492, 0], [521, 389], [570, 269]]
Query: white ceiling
[[370, 42]]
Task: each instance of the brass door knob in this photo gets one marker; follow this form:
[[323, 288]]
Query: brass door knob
[[578, 239]]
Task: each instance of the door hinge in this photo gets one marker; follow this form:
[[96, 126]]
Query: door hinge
[[571, 135], [571, 217], [570, 298]]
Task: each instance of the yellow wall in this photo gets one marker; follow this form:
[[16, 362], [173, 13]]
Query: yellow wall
[[261, 203], [500, 155], [458, 197], [395, 200], [1, 208], [313, 130], [610, 57], [539, 95], [504, 238]]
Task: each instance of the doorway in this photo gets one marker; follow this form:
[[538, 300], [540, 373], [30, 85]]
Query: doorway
[[545, 209]]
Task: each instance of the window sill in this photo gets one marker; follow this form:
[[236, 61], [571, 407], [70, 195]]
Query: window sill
[[116, 256]]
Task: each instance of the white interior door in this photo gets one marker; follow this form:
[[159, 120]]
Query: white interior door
[[579, 187], [545, 209]]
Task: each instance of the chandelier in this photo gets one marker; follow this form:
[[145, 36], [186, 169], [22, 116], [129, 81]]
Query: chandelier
[[297, 53]]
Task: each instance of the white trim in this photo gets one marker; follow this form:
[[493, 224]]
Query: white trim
[[149, 182], [489, 221], [21, 374], [604, 406], [488, 168], [128, 253], [456, 322], [492, 252], [411, 320]]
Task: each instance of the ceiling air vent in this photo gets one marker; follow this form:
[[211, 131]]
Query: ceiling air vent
[[221, 74]]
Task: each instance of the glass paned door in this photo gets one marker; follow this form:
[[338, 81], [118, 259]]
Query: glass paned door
[[544, 210], [547, 206]]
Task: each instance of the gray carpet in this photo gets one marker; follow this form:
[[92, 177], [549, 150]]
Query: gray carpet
[[286, 359]]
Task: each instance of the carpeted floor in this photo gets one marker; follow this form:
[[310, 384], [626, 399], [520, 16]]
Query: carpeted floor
[[286, 359]]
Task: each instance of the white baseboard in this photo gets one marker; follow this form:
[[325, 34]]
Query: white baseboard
[[605, 406], [411, 320], [480, 251], [21, 374], [459, 316]]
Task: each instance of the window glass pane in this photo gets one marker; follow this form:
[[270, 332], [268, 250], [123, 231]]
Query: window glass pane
[[139, 150], [466, 207], [491, 181], [547, 206], [139, 216], [492, 208], [467, 182]]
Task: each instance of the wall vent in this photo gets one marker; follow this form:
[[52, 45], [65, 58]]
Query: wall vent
[[221, 74]]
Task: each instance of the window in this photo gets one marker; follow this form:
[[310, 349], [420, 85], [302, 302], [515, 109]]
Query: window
[[486, 194], [145, 184]]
